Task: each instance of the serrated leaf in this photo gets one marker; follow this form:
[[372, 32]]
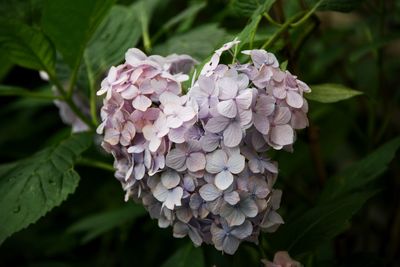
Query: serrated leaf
[[186, 256], [340, 5], [318, 225], [197, 42], [361, 173], [32, 187], [330, 93], [97, 224], [71, 23], [118, 32], [26, 46]]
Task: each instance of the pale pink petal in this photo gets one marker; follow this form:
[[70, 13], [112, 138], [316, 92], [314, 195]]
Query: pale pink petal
[[130, 92], [279, 92], [233, 135], [111, 136], [244, 99], [261, 123], [141, 102], [282, 135], [282, 115], [294, 99], [227, 88], [196, 162], [227, 108], [217, 124]]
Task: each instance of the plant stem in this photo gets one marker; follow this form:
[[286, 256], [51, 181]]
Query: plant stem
[[145, 30], [93, 107], [271, 20], [280, 31], [95, 163], [307, 16]]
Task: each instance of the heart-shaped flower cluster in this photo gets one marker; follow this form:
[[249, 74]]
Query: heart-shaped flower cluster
[[198, 161]]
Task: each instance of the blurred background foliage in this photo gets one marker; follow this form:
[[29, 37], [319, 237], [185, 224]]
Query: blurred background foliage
[[331, 176]]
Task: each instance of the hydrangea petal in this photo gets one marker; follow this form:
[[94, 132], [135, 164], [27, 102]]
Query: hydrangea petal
[[223, 180]]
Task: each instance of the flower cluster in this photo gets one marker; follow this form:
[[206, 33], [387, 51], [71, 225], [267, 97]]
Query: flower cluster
[[198, 162]]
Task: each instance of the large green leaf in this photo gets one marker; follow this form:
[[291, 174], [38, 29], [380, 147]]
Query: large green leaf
[[97, 224], [196, 42], [71, 23], [247, 34], [330, 93], [362, 172], [119, 31], [317, 225], [26, 46], [186, 256], [32, 187]]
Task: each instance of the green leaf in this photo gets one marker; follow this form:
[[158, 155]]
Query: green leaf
[[97, 224], [362, 172], [196, 42], [30, 188], [245, 7], [71, 23], [248, 33], [118, 32], [45, 93], [317, 225], [340, 5], [187, 256], [26, 46], [189, 12], [330, 93]]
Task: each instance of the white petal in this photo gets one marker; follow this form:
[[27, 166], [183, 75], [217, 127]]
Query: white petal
[[170, 179], [141, 102], [227, 108], [233, 135], [217, 124], [160, 192], [216, 161], [282, 135], [209, 192], [236, 163], [223, 180]]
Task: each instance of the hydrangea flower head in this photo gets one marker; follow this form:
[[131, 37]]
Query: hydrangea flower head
[[198, 162]]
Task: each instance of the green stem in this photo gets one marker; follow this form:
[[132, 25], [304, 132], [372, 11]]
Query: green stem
[[307, 16], [96, 164], [145, 30], [92, 90], [72, 80], [271, 20], [281, 30]]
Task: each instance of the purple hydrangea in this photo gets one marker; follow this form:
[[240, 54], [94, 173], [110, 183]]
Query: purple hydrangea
[[198, 162]]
